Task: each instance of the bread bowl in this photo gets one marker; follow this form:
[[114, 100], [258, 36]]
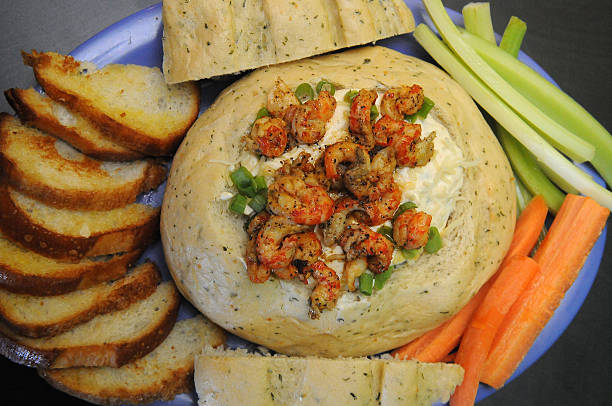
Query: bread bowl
[[204, 242]]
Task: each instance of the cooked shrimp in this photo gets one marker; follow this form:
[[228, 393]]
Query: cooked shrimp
[[353, 270], [411, 229], [373, 183], [398, 102], [360, 123], [304, 204], [334, 227], [274, 250], [325, 295], [413, 152], [359, 240], [280, 99], [307, 250], [308, 121], [268, 137], [344, 152], [257, 272], [381, 209], [388, 128]]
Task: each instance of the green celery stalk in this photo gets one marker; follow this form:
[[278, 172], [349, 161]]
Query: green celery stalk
[[513, 36], [528, 171], [498, 109], [564, 140], [477, 20], [552, 100], [523, 196]]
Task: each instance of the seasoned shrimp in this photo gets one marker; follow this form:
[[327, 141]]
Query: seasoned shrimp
[[360, 123], [307, 250], [257, 272], [353, 270], [382, 208], [334, 227], [344, 152], [375, 182], [411, 229], [413, 152], [268, 137], [309, 119], [359, 240], [274, 250], [325, 295], [401, 101], [388, 128], [304, 204], [280, 99]]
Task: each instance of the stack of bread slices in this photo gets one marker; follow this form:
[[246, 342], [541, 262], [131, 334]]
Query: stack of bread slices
[[73, 164]]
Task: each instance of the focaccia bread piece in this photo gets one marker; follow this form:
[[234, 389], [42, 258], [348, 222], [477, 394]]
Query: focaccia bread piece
[[205, 243], [203, 38]]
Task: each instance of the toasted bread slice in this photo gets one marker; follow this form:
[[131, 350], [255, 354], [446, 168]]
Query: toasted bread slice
[[160, 375], [70, 235], [26, 272], [54, 118], [131, 104], [49, 170], [112, 339], [43, 316]]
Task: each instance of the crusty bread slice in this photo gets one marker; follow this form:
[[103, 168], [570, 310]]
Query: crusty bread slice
[[160, 375], [131, 104], [70, 235], [43, 316], [112, 339], [51, 171], [26, 272], [279, 380], [54, 118]]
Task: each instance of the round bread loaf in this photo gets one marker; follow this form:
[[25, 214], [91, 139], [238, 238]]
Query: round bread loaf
[[204, 242]]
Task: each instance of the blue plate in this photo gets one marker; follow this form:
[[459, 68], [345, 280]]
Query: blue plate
[[137, 40]]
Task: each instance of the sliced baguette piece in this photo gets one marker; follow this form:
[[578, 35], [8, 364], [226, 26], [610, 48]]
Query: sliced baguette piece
[[280, 380], [54, 118], [51, 171], [70, 235], [131, 104], [26, 272], [112, 339], [160, 375], [43, 316]]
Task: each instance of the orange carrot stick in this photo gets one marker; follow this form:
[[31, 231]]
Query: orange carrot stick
[[528, 228], [450, 358], [472, 354], [561, 256]]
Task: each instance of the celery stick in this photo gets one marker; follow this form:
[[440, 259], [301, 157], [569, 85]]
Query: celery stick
[[523, 196], [513, 36], [552, 100], [561, 138], [503, 114], [529, 173], [477, 20]]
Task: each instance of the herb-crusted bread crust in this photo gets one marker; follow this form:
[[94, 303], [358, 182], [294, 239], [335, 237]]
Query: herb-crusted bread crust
[[205, 243]]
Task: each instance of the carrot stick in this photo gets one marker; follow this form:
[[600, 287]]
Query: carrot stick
[[434, 345], [528, 228], [472, 354], [561, 256], [450, 358]]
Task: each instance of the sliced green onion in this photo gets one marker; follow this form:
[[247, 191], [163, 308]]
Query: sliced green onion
[[238, 204], [381, 278], [387, 232], [435, 241], [403, 207], [263, 112], [513, 37], [426, 108], [552, 101], [373, 113], [366, 283], [258, 203], [411, 117], [561, 138], [325, 85], [260, 183], [477, 20], [304, 92], [244, 181], [412, 254], [350, 95], [544, 152]]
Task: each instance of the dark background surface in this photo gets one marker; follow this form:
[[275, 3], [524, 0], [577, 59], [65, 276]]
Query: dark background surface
[[571, 40]]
